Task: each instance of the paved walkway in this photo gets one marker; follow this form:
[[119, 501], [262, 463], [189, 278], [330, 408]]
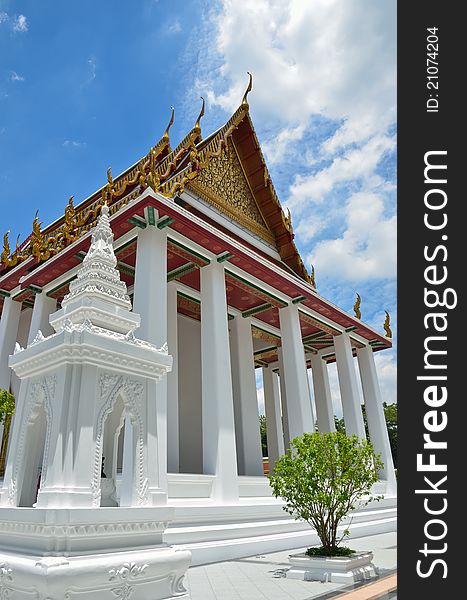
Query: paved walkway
[[259, 577]]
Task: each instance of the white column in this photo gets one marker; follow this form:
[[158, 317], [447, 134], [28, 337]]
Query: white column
[[272, 405], [128, 474], [150, 301], [219, 451], [150, 289], [351, 405], [323, 398], [172, 382], [8, 332], [296, 381], [43, 308], [248, 438], [313, 416], [375, 416], [283, 392]]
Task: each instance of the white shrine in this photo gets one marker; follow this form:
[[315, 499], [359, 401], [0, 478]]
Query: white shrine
[[79, 388], [205, 252]]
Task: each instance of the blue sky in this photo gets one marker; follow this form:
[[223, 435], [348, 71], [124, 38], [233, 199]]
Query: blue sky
[[88, 85]]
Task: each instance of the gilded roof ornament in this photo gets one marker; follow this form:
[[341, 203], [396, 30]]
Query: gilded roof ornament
[[311, 278], [248, 89], [197, 127], [70, 222], [166, 132], [287, 220], [387, 322], [356, 307], [6, 249], [39, 245]]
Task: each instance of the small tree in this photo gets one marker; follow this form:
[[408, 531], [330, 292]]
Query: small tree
[[322, 478], [7, 404]]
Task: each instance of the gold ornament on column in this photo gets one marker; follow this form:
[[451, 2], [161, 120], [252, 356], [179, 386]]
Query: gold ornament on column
[[356, 307], [387, 322]]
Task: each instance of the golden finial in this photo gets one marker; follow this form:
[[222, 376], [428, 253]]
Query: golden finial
[[356, 307], [312, 276], [197, 126], [166, 132], [36, 224], [109, 176], [6, 249], [387, 322], [248, 89]]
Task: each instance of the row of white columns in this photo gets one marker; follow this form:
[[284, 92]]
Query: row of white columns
[[350, 398], [231, 441]]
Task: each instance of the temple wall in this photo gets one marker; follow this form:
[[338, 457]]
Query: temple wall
[[189, 394]]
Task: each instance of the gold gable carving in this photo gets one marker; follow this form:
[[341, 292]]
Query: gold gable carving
[[224, 184]]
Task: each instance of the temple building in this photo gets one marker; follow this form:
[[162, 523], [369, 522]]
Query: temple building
[[208, 258]]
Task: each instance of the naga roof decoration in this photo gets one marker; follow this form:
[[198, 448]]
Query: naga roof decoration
[[195, 163]]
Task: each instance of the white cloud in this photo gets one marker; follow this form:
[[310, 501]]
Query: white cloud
[[367, 248], [20, 24], [91, 71], [92, 68], [275, 149], [328, 57], [358, 163], [173, 28], [73, 144], [335, 60], [16, 77]]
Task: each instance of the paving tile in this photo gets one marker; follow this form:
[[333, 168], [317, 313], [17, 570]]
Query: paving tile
[[252, 578]]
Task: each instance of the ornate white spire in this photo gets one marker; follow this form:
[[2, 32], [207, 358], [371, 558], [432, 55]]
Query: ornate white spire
[[98, 277], [98, 295]]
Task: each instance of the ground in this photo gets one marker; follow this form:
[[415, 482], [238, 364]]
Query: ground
[[259, 577]]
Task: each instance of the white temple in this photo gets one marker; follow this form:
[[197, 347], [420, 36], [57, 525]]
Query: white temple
[[195, 237]]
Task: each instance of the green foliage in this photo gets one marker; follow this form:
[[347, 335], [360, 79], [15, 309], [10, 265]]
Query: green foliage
[[339, 423], [339, 551], [322, 477], [390, 413], [7, 404], [264, 437]]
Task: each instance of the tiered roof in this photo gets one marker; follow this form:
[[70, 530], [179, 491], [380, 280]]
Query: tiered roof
[[169, 172]]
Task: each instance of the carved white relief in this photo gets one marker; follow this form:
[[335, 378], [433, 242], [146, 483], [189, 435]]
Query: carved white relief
[[39, 338], [6, 577], [122, 576], [178, 587], [41, 391]]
